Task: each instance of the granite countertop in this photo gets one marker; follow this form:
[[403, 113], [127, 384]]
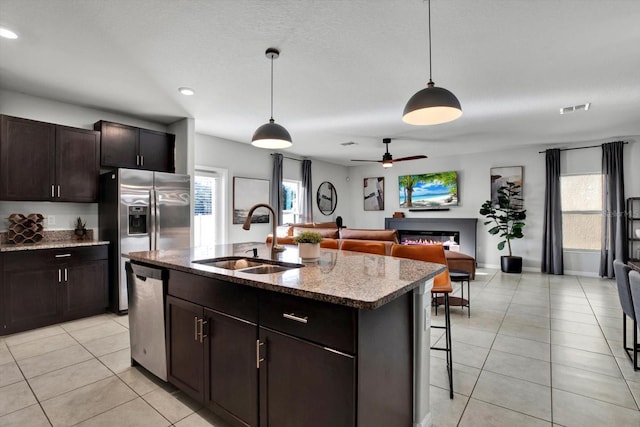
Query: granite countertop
[[10, 247], [352, 279]]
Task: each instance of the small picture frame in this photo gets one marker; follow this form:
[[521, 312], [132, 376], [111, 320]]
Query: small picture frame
[[500, 176], [373, 191], [246, 193]]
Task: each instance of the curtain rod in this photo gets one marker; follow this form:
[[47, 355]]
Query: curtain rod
[[580, 148], [285, 157]]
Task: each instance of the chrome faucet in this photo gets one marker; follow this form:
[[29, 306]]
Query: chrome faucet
[[247, 225]]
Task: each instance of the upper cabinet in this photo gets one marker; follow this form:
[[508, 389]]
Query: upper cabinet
[[125, 146], [46, 162]]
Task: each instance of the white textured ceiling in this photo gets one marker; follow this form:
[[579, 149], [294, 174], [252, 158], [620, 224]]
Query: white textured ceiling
[[346, 67]]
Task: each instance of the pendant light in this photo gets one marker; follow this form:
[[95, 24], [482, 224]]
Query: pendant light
[[271, 135], [433, 105]]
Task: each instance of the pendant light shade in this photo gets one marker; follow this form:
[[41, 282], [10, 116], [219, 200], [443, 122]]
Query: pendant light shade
[[271, 135], [432, 105]]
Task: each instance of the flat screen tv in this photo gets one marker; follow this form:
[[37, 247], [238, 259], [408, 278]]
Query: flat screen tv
[[430, 190]]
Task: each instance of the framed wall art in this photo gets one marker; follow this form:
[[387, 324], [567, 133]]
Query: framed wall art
[[373, 189], [500, 176], [429, 191], [246, 193]]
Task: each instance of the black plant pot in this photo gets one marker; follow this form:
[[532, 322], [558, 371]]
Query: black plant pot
[[511, 264]]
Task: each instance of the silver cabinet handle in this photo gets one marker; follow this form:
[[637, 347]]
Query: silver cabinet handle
[[202, 335], [195, 328], [137, 160], [58, 191], [59, 275], [66, 277], [292, 316], [141, 160], [53, 194], [63, 256], [258, 358]]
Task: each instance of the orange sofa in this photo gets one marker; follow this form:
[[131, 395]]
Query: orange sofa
[[333, 236]]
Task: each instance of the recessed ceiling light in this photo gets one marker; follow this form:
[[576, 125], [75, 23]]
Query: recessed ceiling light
[[187, 91], [574, 108], [7, 33]]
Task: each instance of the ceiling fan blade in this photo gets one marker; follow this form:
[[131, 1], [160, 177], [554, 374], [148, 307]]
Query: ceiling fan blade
[[378, 161], [421, 156]]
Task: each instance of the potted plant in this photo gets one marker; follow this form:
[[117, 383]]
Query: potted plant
[[507, 217], [81, 230], [308, 245]]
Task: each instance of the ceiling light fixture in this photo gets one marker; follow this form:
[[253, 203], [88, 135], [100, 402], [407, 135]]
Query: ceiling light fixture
[[7, 33], [433, 105], [187, 91], [271, 135]]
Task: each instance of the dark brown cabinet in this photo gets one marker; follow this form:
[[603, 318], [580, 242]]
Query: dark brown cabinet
[[305, 384], [46, 286], [264, 358], [46, 162], [130, 147]]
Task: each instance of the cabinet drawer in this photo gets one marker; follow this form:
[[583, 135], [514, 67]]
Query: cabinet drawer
[[326, 324], [229, 298], [19, 260]]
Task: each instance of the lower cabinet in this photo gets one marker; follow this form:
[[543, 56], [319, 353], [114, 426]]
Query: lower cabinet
[[304, 384], [212, 358], [45, 286], [260, 358]]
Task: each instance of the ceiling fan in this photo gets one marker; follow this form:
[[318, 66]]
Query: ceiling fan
[[387, 160]]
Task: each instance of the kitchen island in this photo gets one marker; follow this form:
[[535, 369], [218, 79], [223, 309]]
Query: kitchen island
[[343, 341]]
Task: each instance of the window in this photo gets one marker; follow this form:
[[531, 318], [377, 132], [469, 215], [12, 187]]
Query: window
[[291, 201], [581, 198], [208, 207]]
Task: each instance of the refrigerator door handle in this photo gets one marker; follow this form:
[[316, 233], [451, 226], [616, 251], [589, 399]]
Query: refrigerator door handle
[[152, 220]]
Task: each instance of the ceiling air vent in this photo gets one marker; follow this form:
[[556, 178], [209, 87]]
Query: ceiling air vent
[[574, 108], [348, 143]]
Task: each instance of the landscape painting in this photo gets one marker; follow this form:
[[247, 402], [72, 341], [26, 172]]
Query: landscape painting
[[431, 190], [246, 193]]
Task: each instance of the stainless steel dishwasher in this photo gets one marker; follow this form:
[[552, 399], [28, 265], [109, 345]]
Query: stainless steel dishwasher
[[146, 287]]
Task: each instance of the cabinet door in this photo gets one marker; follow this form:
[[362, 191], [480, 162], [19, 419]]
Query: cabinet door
[[118, 145], [31, 297], [27, 155], [185, 361], [84, 289], [303, 384], [77, 164], [232, 374], [157, 151]]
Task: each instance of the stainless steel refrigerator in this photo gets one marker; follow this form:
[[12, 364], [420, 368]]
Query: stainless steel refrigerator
[[141, 210]]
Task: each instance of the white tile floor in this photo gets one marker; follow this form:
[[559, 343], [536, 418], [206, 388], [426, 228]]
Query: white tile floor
[[538, 350]]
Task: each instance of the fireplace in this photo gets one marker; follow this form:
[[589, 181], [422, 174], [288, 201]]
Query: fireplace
[[449, 239], [439, 230]]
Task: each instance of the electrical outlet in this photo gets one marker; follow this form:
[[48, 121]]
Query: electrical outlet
[[51, 220]]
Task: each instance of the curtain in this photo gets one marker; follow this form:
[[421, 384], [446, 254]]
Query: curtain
[[307, 192], [276, 187], [613, 210], [552, 258]]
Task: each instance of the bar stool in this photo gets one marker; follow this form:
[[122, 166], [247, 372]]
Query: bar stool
[[376, 248], [460, 276], [626, 302], [441, 285]]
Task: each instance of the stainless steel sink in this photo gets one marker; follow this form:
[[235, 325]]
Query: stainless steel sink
[[248, 265], [267, 269], [229, 263]]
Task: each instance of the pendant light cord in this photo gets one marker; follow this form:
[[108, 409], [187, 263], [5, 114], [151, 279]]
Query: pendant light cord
[[271, 87], [429, 14]]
